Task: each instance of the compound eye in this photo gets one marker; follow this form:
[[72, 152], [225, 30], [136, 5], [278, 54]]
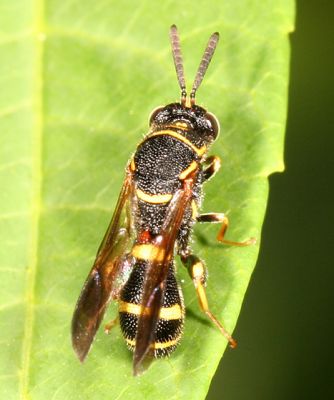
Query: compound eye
[[214, 123], [154, 113]]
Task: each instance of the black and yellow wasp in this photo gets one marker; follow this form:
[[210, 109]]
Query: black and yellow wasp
[[153, 219]]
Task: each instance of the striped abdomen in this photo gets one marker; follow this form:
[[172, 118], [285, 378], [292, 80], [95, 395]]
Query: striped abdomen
[[170, 323]]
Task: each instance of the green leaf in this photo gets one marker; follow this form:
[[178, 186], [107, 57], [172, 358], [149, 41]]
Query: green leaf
[[79, 80]]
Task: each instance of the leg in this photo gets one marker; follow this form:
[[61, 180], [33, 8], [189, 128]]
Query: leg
[[197, 272], [221, 218], [213, 166], [108, 327]]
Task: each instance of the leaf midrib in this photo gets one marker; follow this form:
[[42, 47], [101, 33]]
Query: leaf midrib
[[38, 35]]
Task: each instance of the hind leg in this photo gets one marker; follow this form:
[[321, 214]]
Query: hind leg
[[197, 272]]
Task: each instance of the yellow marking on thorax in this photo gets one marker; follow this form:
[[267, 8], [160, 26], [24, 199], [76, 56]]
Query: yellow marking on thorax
[[174, 312], [148, 252], [155, 345], [153, 198], [199, 151], [186, 172]]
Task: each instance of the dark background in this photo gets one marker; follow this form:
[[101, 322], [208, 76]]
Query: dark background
[[286, 328]]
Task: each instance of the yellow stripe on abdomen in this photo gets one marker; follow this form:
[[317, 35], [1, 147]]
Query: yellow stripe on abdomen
[[148, 252], [156, 345], [168, 313]]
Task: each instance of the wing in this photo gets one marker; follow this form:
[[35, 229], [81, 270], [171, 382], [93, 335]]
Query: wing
[[155, 278], [100, 284]]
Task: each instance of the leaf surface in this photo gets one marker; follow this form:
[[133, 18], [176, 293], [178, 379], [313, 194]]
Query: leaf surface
[[79, 80]]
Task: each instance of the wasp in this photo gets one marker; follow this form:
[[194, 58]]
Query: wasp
[[157, 207]]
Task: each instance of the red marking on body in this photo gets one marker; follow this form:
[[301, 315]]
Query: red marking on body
[[144, 237]]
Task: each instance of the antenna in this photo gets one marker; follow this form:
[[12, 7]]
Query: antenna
[[178, 61], [208, 53]]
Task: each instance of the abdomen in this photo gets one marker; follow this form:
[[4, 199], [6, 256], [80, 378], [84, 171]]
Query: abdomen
[[169, 327]]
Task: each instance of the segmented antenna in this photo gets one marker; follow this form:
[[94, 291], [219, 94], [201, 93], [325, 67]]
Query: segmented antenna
[[208, 53], [178, 61]]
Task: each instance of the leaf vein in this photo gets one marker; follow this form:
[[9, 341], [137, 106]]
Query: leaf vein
[[36, 204]]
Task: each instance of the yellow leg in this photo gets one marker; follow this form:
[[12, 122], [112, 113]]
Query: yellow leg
[[221, 218], [198, 274], [108, 327]]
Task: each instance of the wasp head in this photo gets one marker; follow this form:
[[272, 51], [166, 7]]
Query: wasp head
[[195, 123]]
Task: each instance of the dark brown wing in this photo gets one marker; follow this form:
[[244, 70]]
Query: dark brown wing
[[155, 278], [100, 283]]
